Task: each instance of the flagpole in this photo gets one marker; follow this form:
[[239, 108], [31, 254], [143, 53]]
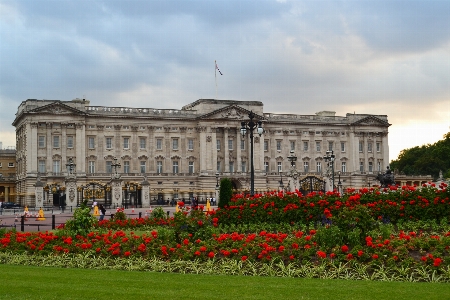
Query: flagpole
[[215, 74]]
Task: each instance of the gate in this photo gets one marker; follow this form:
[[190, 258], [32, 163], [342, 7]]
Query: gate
[[95, 191], [311, 184]]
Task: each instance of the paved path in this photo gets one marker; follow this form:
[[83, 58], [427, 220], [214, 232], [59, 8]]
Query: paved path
[[10, 218]]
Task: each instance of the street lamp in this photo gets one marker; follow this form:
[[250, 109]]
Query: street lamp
[[329, 158], [281, 181], [217, 181], [251, 126], [292, 158]]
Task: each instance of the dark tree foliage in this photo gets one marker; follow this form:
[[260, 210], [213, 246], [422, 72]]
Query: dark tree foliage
[[225, 192], [425, 160]]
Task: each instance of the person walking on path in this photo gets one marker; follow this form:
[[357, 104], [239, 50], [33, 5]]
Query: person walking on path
[[102, 212]]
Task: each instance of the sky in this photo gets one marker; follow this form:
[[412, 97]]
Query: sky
[[369, 57]]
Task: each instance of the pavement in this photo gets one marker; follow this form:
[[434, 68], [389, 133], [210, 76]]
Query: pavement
[[11, 218]]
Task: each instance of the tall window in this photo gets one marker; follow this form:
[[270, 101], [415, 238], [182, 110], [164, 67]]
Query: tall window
[[230, 144], [342, 146], [318, 146], [369, 146], [242, 144], [190, 144], [361, 166], [266, 145], [126, 167], [330, 146], [305, 146], [108, 143], [218, 144], [278, 145], [143, 168], [306, 166], [175, 167], [41, 141], [56, 167], [158, 144], [231, 166], [126, 143], [370, 166], [42, 167], [378, 147], [70, 142], [361, 146], [56, 141], [108, 166], [159, 167], [266, 166], [243, 167], [292, 145], [91, 167], [91, 143], [318, 167], [219, 167], [343, 167], [174, 144], [142, 143], [379, 166], [279, 166], [191, 167]]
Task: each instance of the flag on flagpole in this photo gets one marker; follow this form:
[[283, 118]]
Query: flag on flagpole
[[217, 68]]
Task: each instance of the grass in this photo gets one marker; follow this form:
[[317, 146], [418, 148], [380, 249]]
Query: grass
[[25, 282]]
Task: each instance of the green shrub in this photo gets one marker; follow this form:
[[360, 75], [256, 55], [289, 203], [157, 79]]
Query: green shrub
[[357, 217], [226, 192], [82, 221]]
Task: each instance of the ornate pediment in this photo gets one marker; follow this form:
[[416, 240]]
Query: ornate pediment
[[231, 112], [371, 121], [57, 108]]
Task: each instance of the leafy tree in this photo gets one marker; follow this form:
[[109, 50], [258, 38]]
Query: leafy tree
[[225, 192], [426, 159]]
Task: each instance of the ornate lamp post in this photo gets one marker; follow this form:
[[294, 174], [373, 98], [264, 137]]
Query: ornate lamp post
[[329, 158], [251, 125], [217, 181], [281, 181]]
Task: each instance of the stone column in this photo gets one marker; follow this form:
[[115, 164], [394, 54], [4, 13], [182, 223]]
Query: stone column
[[226, 152], [71, 192], [145, 193], [116, 192], [39, 193]]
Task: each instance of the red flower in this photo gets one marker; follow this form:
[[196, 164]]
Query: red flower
[[332, 255], [349, 256], [180, 204], [375, 256], [344, 248], [127, 253], [203, 248], [211, 254], [321, 254], [295, 245], [197, 253], [244, 258], [186, 241], [360, 253], [437, 262]]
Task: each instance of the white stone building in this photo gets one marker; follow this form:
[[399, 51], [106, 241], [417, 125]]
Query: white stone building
[[177, 152]]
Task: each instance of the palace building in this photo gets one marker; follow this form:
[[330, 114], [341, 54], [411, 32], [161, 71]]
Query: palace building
[[182, 153]]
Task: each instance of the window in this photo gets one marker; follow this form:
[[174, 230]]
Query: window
[[70, 142], [126, 167], [108, 166], [218, 144], [266, 145], [219, 167], [361, 166], [56, 167], [126, 143], [143, 167], [91, 167], [42, 167], [342, 146], [266, 166], [292, 145], [191, 167], [306, 166], [370, 166], [242, 144], [305, 146], [378, 145], [361, 146], [56, 141], [91, 143], [230, 144], [318, 167], [330, 146], [231, 166], [278, 145], [142, 143], [11, 165], [279, 167], [369, 146], [108, 143], [379, 166], [190, 144], [174, 144], [243, 167], [343, 167], [158, 144], [41, 141], [318, 146], [159, 167], [175, 167]]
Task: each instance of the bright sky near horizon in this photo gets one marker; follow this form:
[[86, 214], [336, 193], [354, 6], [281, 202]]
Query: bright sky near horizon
[[389, 57]]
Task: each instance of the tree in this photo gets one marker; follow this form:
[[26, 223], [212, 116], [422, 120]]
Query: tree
[[225, 192], [426, 159]]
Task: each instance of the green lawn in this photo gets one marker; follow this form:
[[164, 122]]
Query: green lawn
[[24, 282]]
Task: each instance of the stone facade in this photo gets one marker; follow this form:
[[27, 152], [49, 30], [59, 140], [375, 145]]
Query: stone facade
[[7, 175], [177, 152]]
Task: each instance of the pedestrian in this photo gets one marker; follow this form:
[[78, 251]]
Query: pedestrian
[[102, 212]]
